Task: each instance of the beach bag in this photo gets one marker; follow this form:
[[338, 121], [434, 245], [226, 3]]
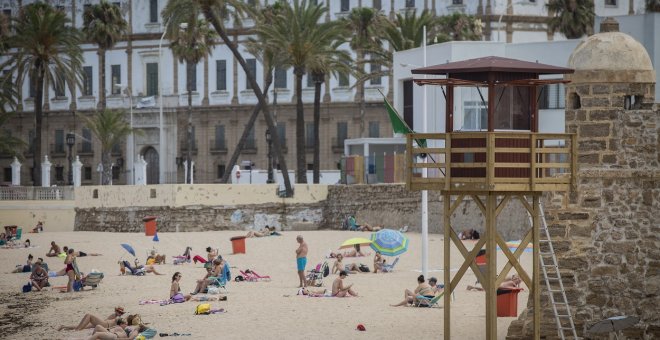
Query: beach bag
[[77, 285], [364, 268], [203, 308], [27, 288], [239, 278], [213, 290], [326, 271], [178, 298]]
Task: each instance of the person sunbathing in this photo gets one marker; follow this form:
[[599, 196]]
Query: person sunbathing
[[26, 268], [211, 254], [338, 289], [339, 266], [27, 243], [39, 277], [423, 289], [146, 268], [211, 272], [81, 253], [355, 252], [379, 262], [91, 321], [313, 293], [155, 258], [121, 331], [266, 231], [175, 289], [366, 227], [54, 250], [512, 281]]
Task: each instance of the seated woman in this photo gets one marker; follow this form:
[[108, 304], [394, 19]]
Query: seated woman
[[379, 261], [91, 321], [216, 271], [24, 268], [39, 277], [423, 288], [39, 228], [349, 268], [175, 289], [155, 258]]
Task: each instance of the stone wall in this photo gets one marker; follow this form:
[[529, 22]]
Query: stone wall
[[605, 233], [387, 204]]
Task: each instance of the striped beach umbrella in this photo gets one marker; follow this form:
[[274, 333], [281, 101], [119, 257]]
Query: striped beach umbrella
[[389, 242]]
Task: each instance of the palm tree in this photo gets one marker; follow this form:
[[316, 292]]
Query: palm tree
[[110, 128], [573, 18], [46, 46], [456, 27], [8, 144], [406, 31], [653, 5], [365, 26], [104, 25], [214, 11], [4, 31], [192, 44]]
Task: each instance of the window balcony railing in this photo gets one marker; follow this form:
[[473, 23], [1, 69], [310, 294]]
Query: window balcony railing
[[218, 147], [492, 161], [338, 145]]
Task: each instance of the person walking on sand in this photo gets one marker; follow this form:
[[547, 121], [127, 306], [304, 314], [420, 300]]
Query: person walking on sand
[[338, 289], [301, 259]]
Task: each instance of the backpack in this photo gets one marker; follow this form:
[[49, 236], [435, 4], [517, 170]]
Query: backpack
[[203, 308], [27, 288], [326, 271], [364, 268]]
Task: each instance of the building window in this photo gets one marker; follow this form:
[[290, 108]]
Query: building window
[[374, 130], [221, 75], [408, 102], [342, 79], [345, 5], [475, 116], [280, 78], [194, 140], [7, 175], [7, 13], [153, 11], [410, 3], [377, 5], [376, 72], [552, 97], [59, 141], [281, 133], [152, 79], [611, 3], [220, 171], [310, 80], [219, 137], [87, 140], [309, 135], [32, 86], [58, 86], [59, 173], [116, 149], [250, 143], [192, 76], [342, 133], [87, 81], [252, 67], [87, 173], [115, 172], [460, 2], [115, 71], [31, 137]]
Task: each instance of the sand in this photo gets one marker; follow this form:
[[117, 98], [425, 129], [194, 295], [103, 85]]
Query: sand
[[265, 310]]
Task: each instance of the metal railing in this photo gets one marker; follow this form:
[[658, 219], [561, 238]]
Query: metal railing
[[492, 161], [36, 193]]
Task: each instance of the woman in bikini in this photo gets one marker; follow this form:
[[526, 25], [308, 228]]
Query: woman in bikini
[[70, 269], [91, 321], [339, 266], [39, 277], [121, 331], [175, 289], [423, 289]]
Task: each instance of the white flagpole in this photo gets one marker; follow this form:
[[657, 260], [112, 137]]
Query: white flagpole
[[425, 194]]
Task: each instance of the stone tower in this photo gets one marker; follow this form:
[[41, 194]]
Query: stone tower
[[606, 233]]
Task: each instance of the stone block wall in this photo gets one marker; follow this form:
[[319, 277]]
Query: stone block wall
[[606, 233]]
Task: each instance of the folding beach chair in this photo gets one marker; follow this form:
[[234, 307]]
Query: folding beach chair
[[132, 270], [388, 268], [15, 241], [317, 274], [425, 301], [252, 276], [92, 280]]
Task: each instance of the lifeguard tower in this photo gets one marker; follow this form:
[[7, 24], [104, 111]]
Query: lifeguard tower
[[506, 158]]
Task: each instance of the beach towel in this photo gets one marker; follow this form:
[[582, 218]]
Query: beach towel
[[154, 302]]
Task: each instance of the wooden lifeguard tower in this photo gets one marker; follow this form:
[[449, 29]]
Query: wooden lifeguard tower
[[505, 158]]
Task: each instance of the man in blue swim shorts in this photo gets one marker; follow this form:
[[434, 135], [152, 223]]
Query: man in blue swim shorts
[[301, 259]]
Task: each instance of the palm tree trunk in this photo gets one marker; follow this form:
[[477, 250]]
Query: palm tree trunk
[[318, 80], [106, 176], [38, 121], [246, 133], [101, 104], [213, 19], [359, 92], [301, 166], [189, 70]]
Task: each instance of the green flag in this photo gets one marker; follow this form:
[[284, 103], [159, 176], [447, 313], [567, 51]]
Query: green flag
[[398, 124]]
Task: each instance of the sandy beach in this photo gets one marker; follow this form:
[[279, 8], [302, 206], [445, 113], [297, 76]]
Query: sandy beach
[[255, 310]]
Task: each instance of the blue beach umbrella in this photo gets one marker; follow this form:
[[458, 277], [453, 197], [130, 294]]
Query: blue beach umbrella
[[128, 248], [389, 242]]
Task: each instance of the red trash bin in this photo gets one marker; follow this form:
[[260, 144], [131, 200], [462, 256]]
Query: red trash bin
[[507, 301], [238, 244], [149, 225]]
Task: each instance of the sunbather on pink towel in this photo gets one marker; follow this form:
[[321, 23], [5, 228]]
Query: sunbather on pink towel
[[312, 293]]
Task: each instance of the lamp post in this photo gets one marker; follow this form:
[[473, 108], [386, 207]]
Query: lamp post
[[269, 140], [70, 142], [161, 136], [131, 139]]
